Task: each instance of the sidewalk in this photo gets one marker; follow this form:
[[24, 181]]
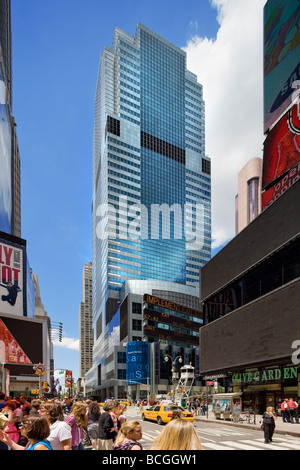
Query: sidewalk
[[281, 427]]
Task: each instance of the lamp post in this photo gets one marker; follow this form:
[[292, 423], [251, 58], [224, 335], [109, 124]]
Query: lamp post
[[174, 373]]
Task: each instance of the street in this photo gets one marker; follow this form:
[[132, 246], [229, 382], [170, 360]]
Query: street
[[219, 436]]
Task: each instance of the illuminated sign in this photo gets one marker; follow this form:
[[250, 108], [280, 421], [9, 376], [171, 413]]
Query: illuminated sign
[[281, 57], [172, 306], [281, 186], [265, 375], [168, 335], [282, 147], [138, 362], [161, 317]]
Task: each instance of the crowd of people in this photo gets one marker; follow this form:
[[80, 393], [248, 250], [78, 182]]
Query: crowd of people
[[38, 424]]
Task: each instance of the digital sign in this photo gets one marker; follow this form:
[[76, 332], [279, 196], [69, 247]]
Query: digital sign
[[172, 306], [168, 335], [161, 317], [281, 186], [138, 362], [282, 147], [281, 58]]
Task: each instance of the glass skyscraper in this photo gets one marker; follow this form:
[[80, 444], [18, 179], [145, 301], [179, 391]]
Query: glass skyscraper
[[151, 179]]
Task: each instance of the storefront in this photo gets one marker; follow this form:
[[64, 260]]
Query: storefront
[[265, 386]]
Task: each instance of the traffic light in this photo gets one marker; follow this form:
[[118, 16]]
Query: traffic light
[[60, 325]]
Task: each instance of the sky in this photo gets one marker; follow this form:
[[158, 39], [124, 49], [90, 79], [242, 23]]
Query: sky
[[56, 47]]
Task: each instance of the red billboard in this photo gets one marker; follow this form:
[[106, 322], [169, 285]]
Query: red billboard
[[10, 351], [281, 186], [282, 148]]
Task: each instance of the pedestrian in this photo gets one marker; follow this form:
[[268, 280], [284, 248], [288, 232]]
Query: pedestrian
[[121, 414], [178, 434], [93, 422], [293, 410], [107, 430], [268, 424], [11, 428], [68, 403], [35, 406], [77, 420], [2, 400], [177, 414], [60, 432], [35, 429], [285, 411], [128, 436]]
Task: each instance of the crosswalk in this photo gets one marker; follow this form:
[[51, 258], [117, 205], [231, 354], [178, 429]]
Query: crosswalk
[[219, 438]]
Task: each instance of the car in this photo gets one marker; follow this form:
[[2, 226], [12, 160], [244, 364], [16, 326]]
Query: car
[[162, 414], [121, 400]]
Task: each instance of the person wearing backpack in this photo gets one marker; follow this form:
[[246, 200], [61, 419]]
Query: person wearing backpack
[[268, 424]]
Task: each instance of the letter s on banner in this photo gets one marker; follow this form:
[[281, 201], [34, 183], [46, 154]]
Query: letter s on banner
[[296, 354]]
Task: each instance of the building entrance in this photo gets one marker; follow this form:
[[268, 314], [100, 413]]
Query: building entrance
[[259, 400]]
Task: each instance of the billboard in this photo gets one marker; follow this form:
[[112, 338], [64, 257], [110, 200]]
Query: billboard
[[282, 147], [10, 351], [138, 362], [21, 343], [5, 162], [13, 289], [281, 186], [281, 58]]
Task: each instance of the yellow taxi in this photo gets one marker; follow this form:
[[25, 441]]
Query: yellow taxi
[[125, 402], [163, 413]]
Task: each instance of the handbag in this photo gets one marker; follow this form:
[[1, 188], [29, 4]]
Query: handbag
[[262, 427]]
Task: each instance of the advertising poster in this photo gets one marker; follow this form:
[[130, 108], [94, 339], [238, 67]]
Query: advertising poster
[[138, 362], [281, 58], [10, 350], [281, 186], [11, 279], [282, 147]]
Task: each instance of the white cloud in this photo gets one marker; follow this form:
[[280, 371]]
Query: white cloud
[[230, 68], [68, 343]]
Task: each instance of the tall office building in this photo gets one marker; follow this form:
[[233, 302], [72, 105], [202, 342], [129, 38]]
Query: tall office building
[[85, 322], [10, 179], [151, 181]]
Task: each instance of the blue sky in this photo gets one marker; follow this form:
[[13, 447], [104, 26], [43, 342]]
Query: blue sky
[[56, 48]]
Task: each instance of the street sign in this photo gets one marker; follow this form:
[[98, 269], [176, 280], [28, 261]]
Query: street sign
[[40, 369]]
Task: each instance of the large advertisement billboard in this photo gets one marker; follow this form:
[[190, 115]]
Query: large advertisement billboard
[[281, 58], [138, 362], [13, 296], [21, 344], [282, 147]]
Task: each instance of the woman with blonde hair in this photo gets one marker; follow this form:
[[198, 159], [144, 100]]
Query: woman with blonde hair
[[77, 419], [268, 424], [128, 436], [177, 435]]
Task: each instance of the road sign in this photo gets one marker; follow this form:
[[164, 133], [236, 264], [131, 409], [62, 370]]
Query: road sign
[[40, 369]]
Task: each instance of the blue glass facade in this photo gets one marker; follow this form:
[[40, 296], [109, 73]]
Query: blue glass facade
[[151, 176]]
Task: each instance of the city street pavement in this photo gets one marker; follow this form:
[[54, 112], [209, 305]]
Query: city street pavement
[[226, 435], [281, 427]]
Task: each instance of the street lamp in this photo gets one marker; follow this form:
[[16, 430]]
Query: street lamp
[[173, 370]]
